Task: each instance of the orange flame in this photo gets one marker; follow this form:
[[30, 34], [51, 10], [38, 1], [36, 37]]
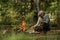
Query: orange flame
[[23, 26]]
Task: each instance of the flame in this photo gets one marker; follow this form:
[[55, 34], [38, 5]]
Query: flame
[[23, 26]]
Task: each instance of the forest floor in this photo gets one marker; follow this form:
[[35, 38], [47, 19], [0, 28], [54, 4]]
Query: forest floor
[[51, 35]]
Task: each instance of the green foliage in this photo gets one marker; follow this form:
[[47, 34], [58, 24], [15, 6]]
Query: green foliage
[[12, 12]]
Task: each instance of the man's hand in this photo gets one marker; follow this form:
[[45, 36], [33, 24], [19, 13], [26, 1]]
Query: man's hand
[[45, 22], [32, 27]]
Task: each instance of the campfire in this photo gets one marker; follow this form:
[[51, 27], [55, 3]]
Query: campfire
[[23, 26]]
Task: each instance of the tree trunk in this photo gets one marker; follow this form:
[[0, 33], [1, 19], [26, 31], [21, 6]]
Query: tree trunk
[[32, 5], [38, 5]]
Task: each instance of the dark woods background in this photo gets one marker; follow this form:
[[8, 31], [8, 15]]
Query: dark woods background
[[12, 12]]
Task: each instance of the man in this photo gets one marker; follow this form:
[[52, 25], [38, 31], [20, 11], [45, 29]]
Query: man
[[43, 22]]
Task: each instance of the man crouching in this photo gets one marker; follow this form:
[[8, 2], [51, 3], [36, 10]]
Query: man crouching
[[43, 23]]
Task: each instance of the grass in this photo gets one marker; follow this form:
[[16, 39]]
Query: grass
[[26, 36]]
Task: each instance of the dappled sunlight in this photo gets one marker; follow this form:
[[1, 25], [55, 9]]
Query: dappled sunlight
[[52, 17]]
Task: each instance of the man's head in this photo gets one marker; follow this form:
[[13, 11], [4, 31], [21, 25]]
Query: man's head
[[41, 13]]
